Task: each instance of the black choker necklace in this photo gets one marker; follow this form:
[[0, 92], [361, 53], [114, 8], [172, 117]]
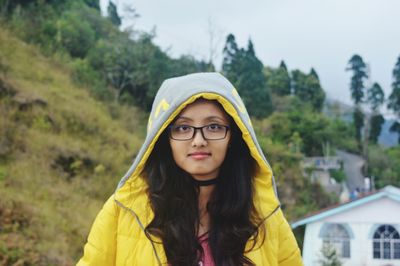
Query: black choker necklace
[[204, 183]]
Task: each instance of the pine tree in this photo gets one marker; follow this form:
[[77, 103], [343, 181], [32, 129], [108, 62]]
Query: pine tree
[[394, 98], [359, 69], [113, 14], [308, 89], [230, 53], [245, 71], [358, 120], [314, 73], [375, 97], [93, 3], [279, 81], [376, 122], [357, 88]]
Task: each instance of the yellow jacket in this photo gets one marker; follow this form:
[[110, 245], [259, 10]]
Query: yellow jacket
[[117, 236]]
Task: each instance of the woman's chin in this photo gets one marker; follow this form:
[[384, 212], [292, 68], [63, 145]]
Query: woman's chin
[[203, 176]]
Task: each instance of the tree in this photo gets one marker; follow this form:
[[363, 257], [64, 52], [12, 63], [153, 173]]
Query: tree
[[75, 34], [358, 121], [252, 83], [394, 98], [376, 122], [135, 69], [305, 129], [93, 4], [357, 88], [279, 80], [283, 65], [186, 64], [330, 256], [385, 165], [245, 71], [375, 96], [359, 69], [123, 62], [113, 14], [317, 95], [308, 89], [314, 73], [7, 6], [230, 54]]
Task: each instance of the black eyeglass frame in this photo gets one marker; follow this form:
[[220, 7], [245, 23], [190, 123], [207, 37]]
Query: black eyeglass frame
[[227, 128]]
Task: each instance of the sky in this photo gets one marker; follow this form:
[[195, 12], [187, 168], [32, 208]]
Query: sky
[[323, 34]]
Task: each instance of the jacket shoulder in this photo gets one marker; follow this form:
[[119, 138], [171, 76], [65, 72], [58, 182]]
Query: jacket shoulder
[[288, 252], [100, 248]]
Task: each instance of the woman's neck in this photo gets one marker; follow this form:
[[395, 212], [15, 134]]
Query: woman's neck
[[204, 196], [204, 218]]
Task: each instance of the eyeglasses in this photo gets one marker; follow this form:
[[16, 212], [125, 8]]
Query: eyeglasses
[[208, 132]]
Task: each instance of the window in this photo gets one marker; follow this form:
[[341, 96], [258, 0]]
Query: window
[[337, 236], [386, 243]]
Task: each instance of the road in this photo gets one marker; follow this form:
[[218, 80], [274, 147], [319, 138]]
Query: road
[[352, 167]]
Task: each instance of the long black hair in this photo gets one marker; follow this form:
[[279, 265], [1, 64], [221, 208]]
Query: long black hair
[[174, 200]]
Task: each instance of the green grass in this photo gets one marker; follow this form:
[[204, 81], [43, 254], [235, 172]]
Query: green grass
[[62, 154]]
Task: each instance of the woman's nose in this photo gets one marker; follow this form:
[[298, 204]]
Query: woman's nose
[[198, 139]]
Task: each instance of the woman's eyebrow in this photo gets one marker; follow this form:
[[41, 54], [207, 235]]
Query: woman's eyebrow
[[209, 118], [184, 118]]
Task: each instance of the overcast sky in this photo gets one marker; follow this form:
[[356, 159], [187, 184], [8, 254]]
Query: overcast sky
[[323, 34]]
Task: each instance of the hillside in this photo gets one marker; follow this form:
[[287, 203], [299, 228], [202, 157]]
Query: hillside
[[61, 155]]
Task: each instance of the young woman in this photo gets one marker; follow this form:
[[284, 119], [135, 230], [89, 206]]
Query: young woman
[[200, 191]]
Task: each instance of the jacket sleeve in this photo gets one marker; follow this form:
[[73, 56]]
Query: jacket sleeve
[[101, 245], [289, 252]]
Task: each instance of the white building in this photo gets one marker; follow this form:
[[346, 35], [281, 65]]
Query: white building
[[365, 231]]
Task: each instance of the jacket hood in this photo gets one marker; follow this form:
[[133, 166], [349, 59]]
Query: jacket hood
[[174, 95]]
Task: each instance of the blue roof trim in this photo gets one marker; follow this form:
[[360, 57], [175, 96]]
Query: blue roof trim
[[389, 191], [394, 197]]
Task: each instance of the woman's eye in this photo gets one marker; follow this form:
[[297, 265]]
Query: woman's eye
[[214, 127], [182, 128]]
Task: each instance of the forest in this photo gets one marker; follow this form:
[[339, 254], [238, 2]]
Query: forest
[[75, 95]]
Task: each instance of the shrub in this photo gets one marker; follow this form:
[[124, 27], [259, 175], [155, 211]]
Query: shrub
[[75, 34]]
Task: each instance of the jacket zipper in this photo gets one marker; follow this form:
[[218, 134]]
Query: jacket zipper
[[141, 226]]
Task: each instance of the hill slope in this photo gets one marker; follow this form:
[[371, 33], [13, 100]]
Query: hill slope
[[61, 155]]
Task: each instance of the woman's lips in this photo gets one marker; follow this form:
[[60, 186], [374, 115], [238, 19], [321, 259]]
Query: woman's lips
[[199, 155]]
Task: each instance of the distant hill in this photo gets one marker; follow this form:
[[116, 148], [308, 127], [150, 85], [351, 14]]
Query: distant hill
[[387, 138], [334, 108]]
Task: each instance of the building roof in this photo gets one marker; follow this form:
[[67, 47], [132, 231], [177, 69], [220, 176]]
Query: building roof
[[388, 191]]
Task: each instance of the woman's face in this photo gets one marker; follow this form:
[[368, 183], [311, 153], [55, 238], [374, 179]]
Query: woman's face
[[199, 157]]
